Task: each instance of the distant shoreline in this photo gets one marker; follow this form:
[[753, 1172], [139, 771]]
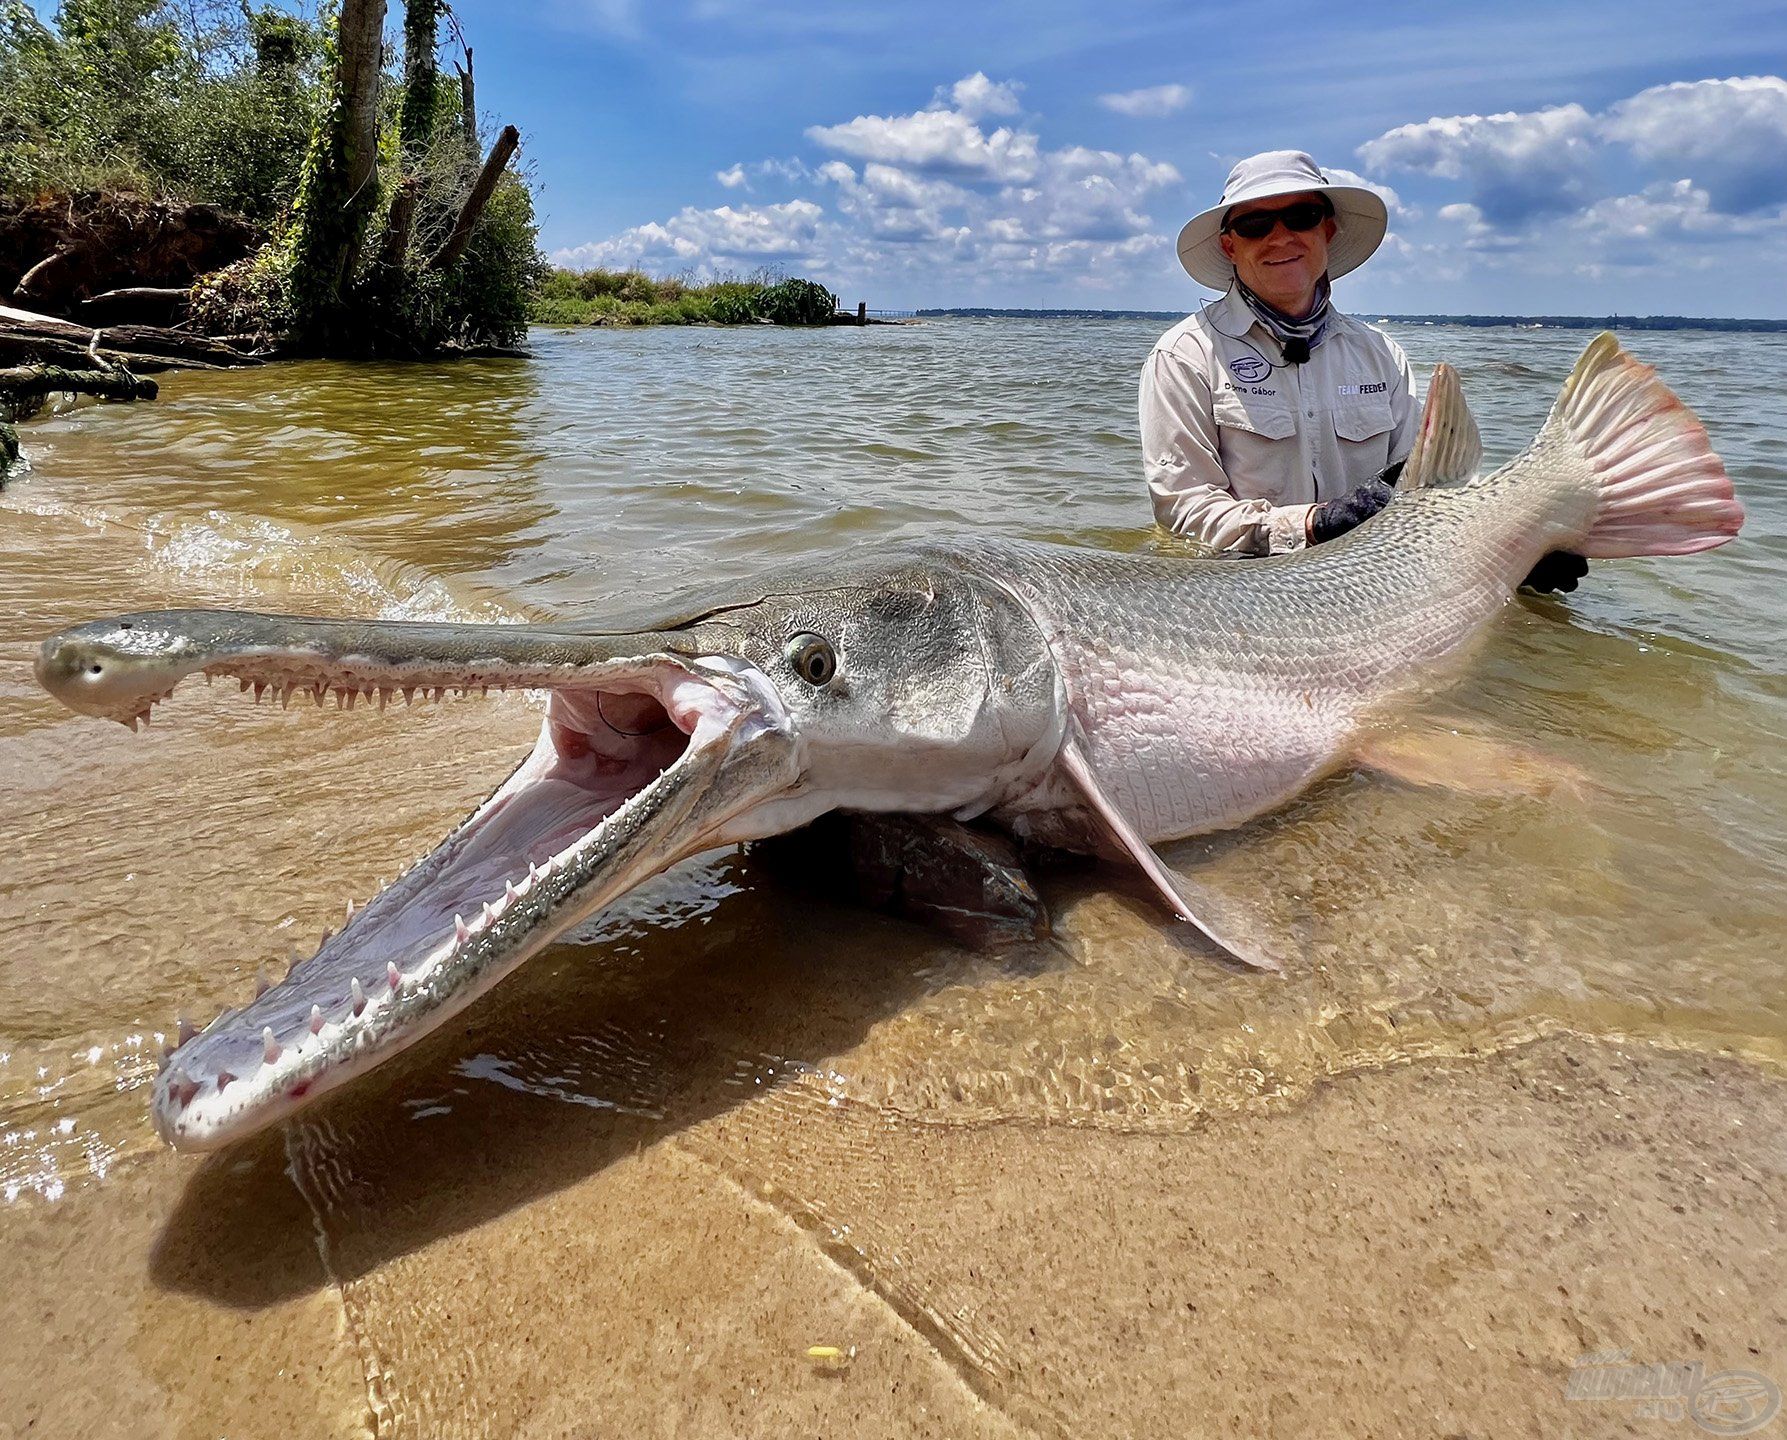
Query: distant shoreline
[[1526, 322]]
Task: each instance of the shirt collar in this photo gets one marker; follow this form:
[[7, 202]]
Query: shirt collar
[[1230, 316]]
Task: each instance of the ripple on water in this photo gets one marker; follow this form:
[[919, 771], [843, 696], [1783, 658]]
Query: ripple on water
[[617, 469]]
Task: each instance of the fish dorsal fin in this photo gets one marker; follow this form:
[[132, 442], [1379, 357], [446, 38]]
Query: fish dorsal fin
[[1448, 450], [1190, 902]]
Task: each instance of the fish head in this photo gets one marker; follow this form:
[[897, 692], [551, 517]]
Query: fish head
[[914, 688], [905, 685]]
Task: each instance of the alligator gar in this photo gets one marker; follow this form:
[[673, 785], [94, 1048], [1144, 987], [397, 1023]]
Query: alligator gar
[[1088, 700]]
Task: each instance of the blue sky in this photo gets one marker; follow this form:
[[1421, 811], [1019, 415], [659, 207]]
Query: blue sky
[[1580, 159]]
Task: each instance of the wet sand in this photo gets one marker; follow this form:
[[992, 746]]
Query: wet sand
[[1425, 1249]]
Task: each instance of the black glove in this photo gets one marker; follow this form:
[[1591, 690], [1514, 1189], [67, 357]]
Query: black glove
[[1336, 517], [1560, 570]]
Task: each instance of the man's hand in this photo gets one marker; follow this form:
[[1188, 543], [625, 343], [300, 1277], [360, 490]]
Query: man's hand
[[1560, 570], [1336, 517]]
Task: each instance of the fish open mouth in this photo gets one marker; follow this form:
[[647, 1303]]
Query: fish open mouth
[[641, 761]]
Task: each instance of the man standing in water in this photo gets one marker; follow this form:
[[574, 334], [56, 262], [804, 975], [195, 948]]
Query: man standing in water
[[1268, 416], [1270, 421]]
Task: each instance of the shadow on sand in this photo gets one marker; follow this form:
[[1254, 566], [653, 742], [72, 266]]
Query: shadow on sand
[[598, 1052]]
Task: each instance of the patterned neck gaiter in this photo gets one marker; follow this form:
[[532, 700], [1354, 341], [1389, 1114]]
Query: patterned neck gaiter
[[1298, 337]]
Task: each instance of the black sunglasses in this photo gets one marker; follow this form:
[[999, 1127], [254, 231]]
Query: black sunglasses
[[1258, 224]]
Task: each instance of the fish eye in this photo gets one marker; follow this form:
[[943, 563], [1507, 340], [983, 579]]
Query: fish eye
[[812, 659]]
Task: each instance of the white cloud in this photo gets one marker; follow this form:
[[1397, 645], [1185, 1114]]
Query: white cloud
[[943, 141], [744, 233], [1729, 135], [1392, 201], [930, 196], [1519, 165], [1150, 103], [975, 95]]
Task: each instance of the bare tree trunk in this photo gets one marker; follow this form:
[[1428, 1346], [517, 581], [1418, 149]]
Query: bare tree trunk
[[468, 106], [398, 227], [494, 165]]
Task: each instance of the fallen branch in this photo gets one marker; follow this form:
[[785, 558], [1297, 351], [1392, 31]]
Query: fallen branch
[[147, 304], [25, 336], [494, 165], [35, 381]]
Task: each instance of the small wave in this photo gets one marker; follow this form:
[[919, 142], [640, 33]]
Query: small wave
[[251, 560]]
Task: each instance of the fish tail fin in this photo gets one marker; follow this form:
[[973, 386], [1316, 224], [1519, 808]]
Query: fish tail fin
[[1659, 488]]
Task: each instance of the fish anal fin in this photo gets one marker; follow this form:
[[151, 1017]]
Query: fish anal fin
[[1443, 757], [1214, 916], [1448, 450]]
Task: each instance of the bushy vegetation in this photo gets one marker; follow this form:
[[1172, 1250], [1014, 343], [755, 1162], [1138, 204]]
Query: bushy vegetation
[[222, 101], [203, 100], [630, 297]]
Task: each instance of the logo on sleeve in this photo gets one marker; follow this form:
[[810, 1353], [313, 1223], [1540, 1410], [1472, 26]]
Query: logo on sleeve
[[1249, 368]]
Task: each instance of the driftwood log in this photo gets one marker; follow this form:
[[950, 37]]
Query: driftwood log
[[137, 305], [26, 336], [33, 382], [23, 388]]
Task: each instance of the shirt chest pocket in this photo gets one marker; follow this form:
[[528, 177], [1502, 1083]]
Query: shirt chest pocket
[[1268, 417], [1367, 420]]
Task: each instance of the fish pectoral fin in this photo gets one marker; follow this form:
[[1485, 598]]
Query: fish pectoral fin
[[1216, 917], [1442, 757], [1448, 450]]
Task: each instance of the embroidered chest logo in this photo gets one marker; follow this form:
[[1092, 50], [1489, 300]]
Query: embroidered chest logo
[[1249, 368], [1377, 389]]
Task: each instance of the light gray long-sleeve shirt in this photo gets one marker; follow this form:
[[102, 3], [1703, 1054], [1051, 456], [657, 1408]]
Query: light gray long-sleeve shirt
[[1238, 445]]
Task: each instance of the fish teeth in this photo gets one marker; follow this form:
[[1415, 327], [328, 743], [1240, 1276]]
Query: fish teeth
[[489, 912], [186, 1030], [358, 993], [316, 1019], [393, 974], [270, 1048], [182, 1087], [461, 931]]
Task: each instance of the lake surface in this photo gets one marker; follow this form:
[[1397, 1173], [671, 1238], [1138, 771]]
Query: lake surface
[[145, 874]]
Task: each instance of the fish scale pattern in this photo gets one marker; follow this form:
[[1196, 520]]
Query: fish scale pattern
[[1207, 691]]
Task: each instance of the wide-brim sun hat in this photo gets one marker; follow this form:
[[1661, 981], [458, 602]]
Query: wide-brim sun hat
[[1361, 219]]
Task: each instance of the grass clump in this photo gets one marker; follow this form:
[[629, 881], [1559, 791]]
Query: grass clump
[[631, 297]]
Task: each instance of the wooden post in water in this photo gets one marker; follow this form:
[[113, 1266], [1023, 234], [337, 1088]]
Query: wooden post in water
[[862, 312]]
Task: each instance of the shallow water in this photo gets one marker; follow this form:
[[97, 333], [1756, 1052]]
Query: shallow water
[[145, 874]]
